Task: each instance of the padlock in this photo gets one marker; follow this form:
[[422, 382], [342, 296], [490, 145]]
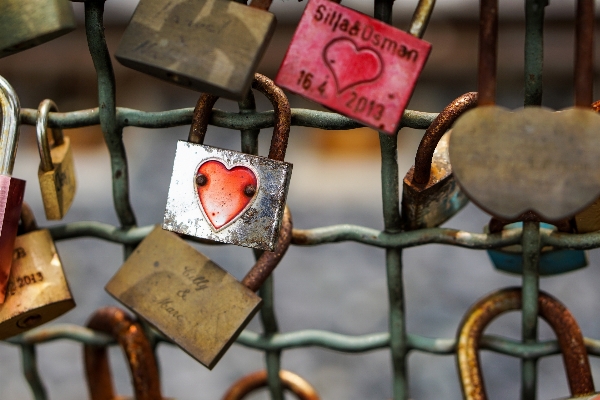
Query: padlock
[[225, 195], [552, 261], [38, 291], [213, 46], [27, 23], [57, 171], [11, 189], [551, 310], [430, 195], [354, 64], [187, 297], [256, 380], [511, 163], [138, 352]]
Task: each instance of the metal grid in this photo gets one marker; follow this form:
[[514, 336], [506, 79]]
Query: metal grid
[[113, 119]]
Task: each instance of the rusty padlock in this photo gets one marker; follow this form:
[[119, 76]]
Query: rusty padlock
[[225, 195], [28, 23], [511, 163], [552, 261], [38, 291], [57, 170], [256, 380], [430, 195], [11, 189], [354, 64], [551, 310], [187, 297], [138, 352], [213, 46]]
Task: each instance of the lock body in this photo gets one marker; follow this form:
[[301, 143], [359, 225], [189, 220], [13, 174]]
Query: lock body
[[58, 185], [431, 204], [222, 209], [353, 64], [187, 297], [552, 261], [25, 24], [211, 46], [12, 191], [37, 291], [588, 220]]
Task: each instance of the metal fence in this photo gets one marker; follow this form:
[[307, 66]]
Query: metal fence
[[393, 239]]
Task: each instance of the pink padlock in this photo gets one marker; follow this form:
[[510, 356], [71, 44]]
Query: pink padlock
[[354, 64]]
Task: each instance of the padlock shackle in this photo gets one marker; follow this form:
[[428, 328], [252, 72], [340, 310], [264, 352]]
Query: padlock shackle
[[584, 52], [259, 379], [559, 318], [420, 18], [28, 222], [41, 126], [436, 130], [138, 351], [281, 106], [11, 119], [268, 260]]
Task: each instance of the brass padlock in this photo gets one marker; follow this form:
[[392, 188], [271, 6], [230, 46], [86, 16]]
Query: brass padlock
[[24, 24], [430, 194], [57, 171], [212, 46], [37, 291], [256, 380], [138, 352], [225, 195], [551, 310], [187, 297]]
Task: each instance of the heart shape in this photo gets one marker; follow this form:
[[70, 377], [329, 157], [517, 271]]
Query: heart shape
[[223, 191], [351, 65], [534, 159]]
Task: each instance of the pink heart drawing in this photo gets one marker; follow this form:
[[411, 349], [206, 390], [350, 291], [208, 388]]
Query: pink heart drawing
[[351, 65]]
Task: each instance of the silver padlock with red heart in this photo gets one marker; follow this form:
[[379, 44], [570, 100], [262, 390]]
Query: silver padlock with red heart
[[225, 195]]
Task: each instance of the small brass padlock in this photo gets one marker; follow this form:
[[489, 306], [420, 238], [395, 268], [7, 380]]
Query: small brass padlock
[[187, 297], [37, 291], [138, 352], [57, 171], [570, 340], [212, 46], [256, 380], [24, 24], [11, 189], [225, 195], [430, 195]]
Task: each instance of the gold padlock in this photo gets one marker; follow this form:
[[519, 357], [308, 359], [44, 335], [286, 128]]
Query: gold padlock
[[37, 291], [57, 171], [187, 297], [138, 351]]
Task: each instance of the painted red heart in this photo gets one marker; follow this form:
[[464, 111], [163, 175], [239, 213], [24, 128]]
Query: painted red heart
[[351, 65], [223, 192]]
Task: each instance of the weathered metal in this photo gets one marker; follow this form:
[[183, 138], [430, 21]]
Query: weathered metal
[[25, 24], [57, 170], [11, 189], [37, 291], [551, 310], [220, 208], [354, 64], [256, 380], [212, 46], [430, 195]]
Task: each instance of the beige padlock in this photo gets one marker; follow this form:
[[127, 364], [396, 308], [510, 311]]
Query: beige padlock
[[37, 291], [57, 171]]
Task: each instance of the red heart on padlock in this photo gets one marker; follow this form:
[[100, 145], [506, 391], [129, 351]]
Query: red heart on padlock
[[224, 193], [351, 65]]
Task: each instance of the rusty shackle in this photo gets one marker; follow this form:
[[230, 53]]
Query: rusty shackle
[[136, 346], [434, 133], [551, 310], [256, 380], [281, 106]]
